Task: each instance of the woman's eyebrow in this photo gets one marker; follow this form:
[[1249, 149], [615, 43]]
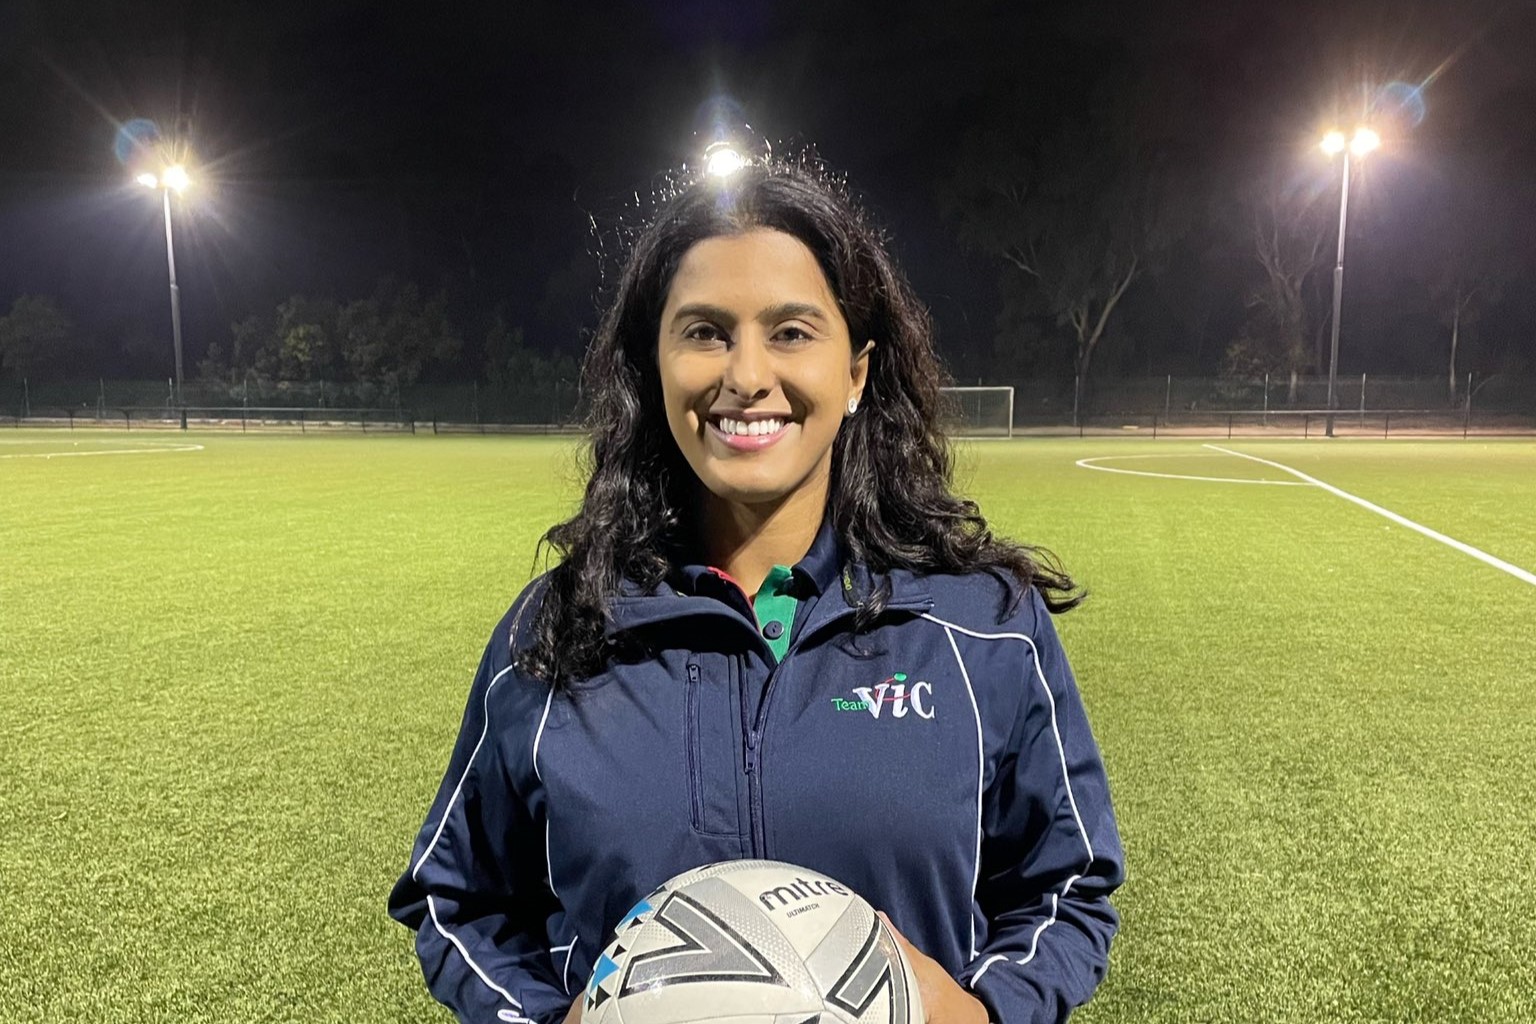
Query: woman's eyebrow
[[715, 314], [773, 314], [791, 311]]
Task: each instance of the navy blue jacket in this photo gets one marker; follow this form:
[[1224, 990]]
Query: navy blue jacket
[[940, 764]]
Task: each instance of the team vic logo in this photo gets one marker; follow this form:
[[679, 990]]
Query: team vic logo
[[894, 693]]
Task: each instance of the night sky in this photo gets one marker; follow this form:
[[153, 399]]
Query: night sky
[[471, 147]]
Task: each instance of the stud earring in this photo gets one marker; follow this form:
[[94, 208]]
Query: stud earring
[[853, 406]]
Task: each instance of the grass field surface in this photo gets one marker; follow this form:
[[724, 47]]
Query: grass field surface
[[230, 676]]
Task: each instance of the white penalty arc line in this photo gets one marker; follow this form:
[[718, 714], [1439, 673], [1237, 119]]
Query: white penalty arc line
[[1093, 463], [107, 451], [1466, 549]]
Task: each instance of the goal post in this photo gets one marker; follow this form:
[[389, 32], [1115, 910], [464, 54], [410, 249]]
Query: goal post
[[974, 412]]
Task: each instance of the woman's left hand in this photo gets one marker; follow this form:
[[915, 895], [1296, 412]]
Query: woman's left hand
[[944, 1001]]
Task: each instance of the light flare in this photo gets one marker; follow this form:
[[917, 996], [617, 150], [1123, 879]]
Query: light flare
[[722, 160], [1366, 140], [175, 178]]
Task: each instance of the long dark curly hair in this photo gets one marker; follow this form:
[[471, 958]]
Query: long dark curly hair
[[889, 496]]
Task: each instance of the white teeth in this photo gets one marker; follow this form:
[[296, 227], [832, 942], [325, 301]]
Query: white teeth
[[753, 429]]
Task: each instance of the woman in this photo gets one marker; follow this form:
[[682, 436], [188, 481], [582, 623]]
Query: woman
[[774, 633]]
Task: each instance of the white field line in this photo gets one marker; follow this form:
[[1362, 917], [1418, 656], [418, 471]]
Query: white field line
[[1093, 463], [1466, 549], [107, 451]]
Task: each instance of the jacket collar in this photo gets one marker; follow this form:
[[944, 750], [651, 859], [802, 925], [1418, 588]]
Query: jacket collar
[[695, 589], [815, 574]]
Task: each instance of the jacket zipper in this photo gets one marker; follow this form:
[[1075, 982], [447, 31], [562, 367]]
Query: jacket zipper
[[755, 797], [753, 726]]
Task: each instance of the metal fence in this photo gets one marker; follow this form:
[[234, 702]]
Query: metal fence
[[1169, 395], [1156, 405], [297, 404], [1364, 404]]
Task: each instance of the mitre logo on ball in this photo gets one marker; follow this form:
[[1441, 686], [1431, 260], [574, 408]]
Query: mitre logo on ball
[[757, 942], [798, 890]]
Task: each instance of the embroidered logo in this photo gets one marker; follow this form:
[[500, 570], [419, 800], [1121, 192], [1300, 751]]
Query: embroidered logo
[[893, 691]]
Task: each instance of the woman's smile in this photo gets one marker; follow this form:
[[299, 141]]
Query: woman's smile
[[748, 434]]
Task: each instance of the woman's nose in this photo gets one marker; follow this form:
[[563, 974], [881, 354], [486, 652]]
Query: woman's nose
[[749, 369]]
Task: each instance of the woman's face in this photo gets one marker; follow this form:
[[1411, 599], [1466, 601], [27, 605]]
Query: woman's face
[[756, 366]]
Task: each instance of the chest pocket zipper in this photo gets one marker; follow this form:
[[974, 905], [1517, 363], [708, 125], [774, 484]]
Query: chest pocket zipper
[[692, 742], [711, 754]]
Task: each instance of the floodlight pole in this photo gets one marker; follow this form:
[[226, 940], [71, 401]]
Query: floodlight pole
[[1338, 293], [170, 259]]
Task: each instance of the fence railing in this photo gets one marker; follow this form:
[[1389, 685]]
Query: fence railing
[[245, 418], [526, 402], [1160, 404], [1166, 395], [1298, 423]]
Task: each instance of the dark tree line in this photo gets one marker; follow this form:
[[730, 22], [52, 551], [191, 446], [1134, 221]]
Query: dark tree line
[[393, 338]]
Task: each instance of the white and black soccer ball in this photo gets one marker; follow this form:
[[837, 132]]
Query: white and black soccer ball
[[752, 942]]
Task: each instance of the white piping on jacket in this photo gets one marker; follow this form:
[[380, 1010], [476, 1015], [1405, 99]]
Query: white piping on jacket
[[1066, 777]]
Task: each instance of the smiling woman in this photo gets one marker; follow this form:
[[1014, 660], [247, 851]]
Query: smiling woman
[[757, 373], [770, 589]]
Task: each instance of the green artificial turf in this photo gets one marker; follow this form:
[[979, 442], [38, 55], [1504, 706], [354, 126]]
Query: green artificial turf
[[230, 678]]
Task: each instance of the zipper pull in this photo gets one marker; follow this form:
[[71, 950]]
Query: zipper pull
[[751, 759]]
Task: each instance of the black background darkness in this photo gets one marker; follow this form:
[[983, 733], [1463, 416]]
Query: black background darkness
[[471, 146]]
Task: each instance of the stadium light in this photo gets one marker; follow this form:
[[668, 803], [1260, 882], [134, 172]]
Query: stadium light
[[173, 179], [1365, 140], [721, 160]]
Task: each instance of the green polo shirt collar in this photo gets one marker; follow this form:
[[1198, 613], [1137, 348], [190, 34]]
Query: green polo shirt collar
[[775, 607]]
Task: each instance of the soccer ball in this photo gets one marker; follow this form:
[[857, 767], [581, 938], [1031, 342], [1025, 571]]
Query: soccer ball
[[752, 942]]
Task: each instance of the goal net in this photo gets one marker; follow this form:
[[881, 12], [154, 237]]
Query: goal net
[[978, 411]]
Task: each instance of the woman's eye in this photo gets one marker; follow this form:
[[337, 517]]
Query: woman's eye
[[703, 332], [793, 334]]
